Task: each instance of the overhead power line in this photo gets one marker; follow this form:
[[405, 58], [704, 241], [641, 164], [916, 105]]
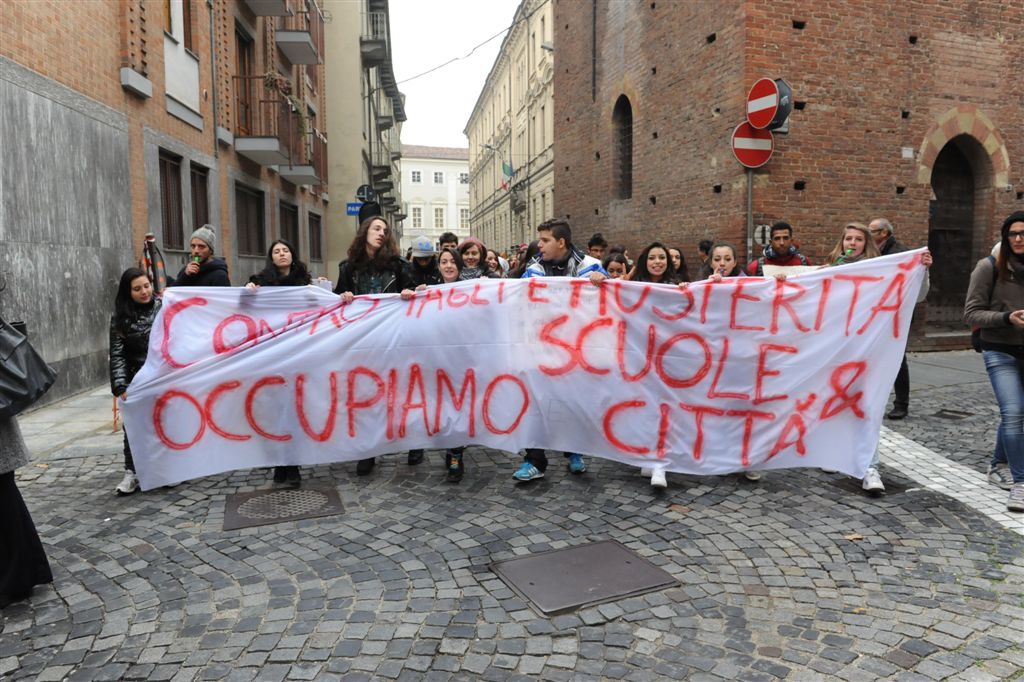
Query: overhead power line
[[475, 47]]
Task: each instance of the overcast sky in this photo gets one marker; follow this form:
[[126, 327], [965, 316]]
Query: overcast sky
[[425, 34]]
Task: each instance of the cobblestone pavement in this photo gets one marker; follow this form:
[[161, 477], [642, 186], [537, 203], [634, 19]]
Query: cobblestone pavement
[[797, 577]]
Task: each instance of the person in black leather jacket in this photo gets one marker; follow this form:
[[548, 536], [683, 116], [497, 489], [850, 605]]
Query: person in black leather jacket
[[135, 308], [373, 267]]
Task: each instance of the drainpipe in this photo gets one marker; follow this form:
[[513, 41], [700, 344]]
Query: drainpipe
[[213, 76]]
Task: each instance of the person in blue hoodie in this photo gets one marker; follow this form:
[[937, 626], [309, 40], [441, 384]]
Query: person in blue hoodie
[[558, 257]]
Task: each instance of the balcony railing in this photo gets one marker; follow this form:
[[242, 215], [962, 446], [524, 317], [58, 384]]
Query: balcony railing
[[300, 36], [264, 121], [373, 41]]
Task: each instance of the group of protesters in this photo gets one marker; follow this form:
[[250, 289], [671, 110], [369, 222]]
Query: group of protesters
[[374, 265]]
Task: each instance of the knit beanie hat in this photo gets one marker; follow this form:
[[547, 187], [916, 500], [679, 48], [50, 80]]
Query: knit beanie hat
[[206, 234]]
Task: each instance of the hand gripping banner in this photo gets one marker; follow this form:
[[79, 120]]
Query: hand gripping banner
[[749, 373]]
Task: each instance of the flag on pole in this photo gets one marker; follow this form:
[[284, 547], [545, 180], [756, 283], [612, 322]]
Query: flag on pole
[[507, 172], [153, 264]]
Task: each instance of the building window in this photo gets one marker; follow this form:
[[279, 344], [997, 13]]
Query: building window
[[249, 217], [200, 196], [170, 201], [438, 218], [186, 22], [438, 178], [622, 148], [463, 178], [417, 176], [289, 227], [463, 218], [417, 217], [244, 86], [168, 23], [315, 238]]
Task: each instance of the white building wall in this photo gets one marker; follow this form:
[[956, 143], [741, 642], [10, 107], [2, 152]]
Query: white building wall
[[451, 195]]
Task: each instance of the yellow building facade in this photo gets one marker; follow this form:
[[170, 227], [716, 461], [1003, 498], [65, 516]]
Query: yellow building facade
[[511, 129]]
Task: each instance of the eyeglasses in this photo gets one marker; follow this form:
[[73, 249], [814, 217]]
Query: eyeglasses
[[876, 231], [1014, 235]]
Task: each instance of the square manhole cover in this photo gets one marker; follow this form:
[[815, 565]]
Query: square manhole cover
[[262, 507], [565, 580]]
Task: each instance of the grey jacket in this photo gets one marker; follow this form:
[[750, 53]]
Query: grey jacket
[[990, 302], [13, 453]]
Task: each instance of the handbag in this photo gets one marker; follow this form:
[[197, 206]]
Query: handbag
[[24, 375]]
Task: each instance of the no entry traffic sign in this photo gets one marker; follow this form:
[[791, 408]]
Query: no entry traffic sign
[[752, 147], [762, 103]]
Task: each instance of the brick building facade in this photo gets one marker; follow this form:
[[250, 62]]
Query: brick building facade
[[910, 111], [124, 117]]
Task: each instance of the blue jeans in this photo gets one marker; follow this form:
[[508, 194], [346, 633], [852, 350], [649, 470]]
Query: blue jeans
[[1004, 373]]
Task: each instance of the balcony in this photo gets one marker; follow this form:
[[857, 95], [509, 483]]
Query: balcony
[[300, 36], [268, 8], [263, 120], [373, 41], [381, 162], [385, 122], [308, 165]]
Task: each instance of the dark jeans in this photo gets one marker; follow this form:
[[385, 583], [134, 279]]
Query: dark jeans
[[129, 463], [538, 458], [1005, 374], [902, 386]]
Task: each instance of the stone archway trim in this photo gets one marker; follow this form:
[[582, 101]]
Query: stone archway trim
[[960, 120]]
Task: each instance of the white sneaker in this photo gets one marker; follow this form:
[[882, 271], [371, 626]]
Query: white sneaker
[[129, 484], [646, 472], [658, 479], [1015, 502], [752, 475], [872, 482], [999, 475]]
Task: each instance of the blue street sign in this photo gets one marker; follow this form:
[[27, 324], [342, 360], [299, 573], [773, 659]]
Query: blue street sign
[[353, 208]]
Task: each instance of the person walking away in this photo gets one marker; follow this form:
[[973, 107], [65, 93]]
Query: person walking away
[[135, 309], [995, 304], [203, 270]]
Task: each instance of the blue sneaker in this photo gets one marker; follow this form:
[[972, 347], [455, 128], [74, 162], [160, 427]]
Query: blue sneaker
[[576, 464], [527, 472]]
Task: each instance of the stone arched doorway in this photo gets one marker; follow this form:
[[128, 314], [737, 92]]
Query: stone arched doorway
[[958, 222]]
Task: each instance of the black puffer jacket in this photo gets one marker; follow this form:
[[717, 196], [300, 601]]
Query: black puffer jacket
[[129, 342], [212, 273]]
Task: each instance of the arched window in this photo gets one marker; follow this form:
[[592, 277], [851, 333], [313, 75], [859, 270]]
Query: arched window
[[622, 148]]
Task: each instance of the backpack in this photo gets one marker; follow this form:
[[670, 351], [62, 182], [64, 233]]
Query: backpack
[[976, 331]]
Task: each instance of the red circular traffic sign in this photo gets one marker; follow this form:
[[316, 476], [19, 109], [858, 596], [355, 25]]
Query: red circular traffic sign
[[762, 102], [752, 147]]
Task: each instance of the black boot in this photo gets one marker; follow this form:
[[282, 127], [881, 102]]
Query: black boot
[[365, 466], [415, 457], [455, 466], [280, 474], [293, 476]]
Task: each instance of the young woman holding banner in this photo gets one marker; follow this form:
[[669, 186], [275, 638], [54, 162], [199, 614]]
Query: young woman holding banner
[[474, 258], [854, 245], [135, 308], [282, 269], [374, 266], [450, 264], [655, 265]]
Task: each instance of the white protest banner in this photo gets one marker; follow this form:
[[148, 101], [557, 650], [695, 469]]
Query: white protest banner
[[749, 373]]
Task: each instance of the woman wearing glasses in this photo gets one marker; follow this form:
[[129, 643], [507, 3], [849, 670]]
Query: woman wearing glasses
[[995, 304]]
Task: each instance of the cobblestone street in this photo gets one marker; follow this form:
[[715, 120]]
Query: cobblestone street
[[800, 576]]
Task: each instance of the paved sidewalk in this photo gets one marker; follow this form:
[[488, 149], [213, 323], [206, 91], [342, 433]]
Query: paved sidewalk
[[798, 577]]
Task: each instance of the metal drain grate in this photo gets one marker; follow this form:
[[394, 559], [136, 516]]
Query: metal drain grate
[[565, 580], [262, 507]]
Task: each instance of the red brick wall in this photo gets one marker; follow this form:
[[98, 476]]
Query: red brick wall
[[853, 65]]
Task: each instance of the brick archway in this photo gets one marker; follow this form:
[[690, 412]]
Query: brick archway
[[964, 119]]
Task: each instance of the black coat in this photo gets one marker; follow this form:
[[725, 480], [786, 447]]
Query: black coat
[[371, 279], [271, 278], [890, 245], [212, 273], [128, 345], [429, 276]]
